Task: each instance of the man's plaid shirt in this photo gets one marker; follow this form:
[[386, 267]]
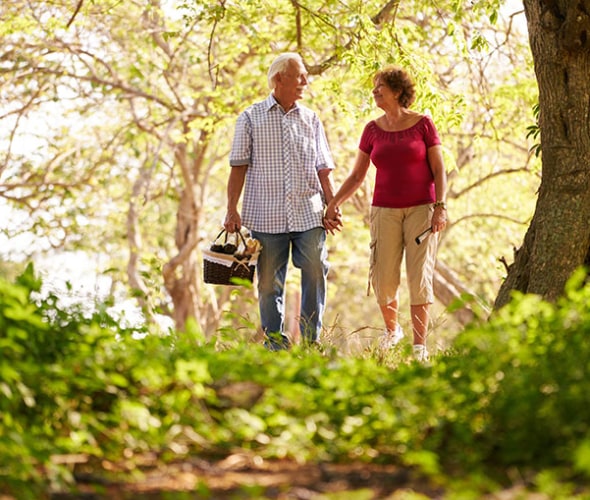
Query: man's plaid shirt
[[284, 152]]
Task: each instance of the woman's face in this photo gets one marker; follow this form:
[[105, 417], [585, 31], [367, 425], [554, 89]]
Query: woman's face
[[382, 94]]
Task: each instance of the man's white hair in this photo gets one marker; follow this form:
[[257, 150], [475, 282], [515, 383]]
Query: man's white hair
[[280, 64]]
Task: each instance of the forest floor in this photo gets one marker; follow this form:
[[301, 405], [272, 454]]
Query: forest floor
[[241, 477]]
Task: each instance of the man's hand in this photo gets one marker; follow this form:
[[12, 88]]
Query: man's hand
[[232, 222], [332, 219]]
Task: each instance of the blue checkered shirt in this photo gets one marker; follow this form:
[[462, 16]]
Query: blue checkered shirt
[[284, 152]]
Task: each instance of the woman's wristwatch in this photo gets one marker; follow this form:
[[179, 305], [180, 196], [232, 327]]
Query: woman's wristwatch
[[440, 204]]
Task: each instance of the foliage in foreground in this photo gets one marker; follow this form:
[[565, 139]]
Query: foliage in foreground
[[510, 399]]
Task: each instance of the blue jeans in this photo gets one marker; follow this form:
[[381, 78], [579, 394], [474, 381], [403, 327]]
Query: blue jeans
[[311, 256]]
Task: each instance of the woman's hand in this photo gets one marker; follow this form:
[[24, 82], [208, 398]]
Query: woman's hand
[[439, 218], [332, 218]]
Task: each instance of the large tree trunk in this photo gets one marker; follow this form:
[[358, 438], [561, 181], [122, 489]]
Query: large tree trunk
[[558, 239]]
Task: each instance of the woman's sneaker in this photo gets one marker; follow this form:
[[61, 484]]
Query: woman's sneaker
[[420, 353], [390, 339]]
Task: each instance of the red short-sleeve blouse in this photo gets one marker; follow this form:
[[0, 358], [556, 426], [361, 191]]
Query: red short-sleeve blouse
[[404, 178]]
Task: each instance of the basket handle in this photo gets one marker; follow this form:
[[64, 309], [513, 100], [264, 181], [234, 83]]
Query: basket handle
[[226, 233]]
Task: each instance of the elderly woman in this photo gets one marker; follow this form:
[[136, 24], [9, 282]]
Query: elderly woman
[[408, 200]]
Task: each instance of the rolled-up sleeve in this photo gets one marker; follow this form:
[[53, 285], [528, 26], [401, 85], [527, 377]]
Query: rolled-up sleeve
[[241, 151], [324, 156]]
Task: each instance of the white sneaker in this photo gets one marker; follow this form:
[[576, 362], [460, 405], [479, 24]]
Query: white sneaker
[[390, 339], [420, 353]]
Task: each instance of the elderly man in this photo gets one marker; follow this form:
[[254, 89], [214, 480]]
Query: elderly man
[[280, 158]]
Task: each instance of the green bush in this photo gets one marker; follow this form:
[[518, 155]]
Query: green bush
[[510, 395]]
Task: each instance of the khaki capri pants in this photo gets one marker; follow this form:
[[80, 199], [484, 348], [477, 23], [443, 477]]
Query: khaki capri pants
[[393, 233]]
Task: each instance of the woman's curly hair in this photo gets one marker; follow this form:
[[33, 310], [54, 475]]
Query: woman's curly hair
[[397, 79]]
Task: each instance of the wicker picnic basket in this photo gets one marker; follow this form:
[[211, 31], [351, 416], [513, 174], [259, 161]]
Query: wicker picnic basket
[[224, 262]]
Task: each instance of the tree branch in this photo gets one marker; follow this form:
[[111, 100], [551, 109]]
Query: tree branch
[[483, 180], [78, 7], [385, 14]]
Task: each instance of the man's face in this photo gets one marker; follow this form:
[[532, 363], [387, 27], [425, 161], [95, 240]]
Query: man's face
[[293, 80]]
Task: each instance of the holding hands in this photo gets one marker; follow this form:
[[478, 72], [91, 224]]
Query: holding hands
[[332, 218]]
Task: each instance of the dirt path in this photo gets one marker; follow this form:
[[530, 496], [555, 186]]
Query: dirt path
[[242, 477]]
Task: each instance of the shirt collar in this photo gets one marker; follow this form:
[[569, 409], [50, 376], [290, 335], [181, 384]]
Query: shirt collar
[[271, 102]]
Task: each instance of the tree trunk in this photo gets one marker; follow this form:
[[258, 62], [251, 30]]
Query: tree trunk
[[180, 272], [558, 239]]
